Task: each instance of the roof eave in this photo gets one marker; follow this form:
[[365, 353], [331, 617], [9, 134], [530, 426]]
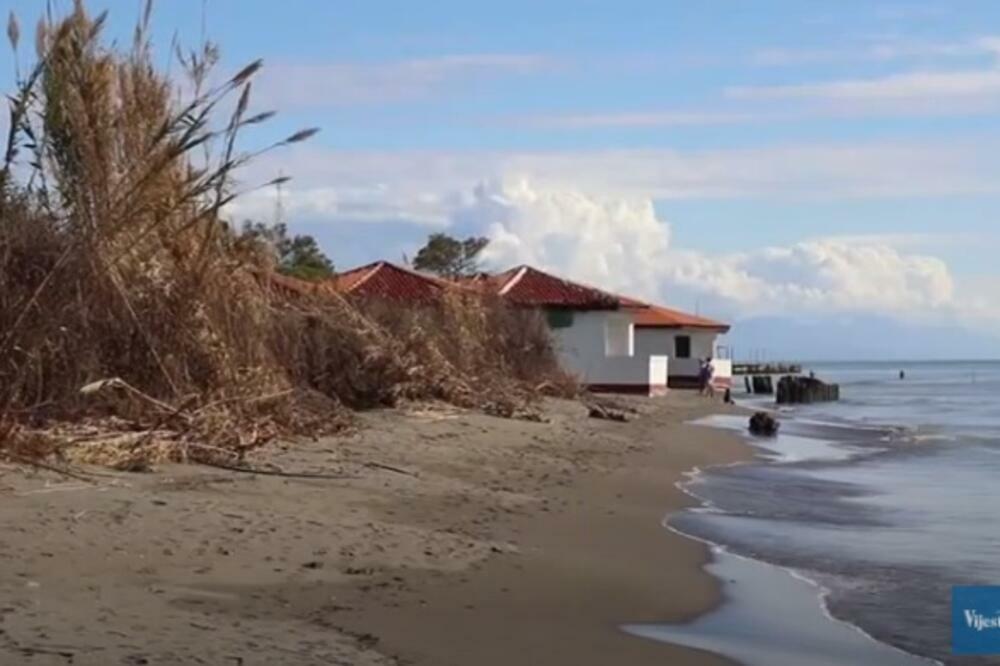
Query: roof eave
[[722, 328], [564, 306]]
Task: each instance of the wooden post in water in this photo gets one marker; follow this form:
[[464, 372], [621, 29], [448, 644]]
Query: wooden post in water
[[805, 390], [762, 385]]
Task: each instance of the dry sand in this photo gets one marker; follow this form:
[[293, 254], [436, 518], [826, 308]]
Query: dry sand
[[507, 542]]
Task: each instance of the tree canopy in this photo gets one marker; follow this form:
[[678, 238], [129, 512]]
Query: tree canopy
[[299, 255], [450, 257]]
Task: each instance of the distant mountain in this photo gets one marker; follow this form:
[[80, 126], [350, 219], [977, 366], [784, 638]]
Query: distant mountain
[[855, 337]]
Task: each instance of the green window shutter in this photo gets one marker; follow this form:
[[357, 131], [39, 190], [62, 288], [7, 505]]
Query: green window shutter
[[559, 318]]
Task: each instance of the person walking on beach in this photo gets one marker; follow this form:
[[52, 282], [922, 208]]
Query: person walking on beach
[[705, 378]]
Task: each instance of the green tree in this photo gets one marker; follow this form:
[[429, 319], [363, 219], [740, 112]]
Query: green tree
[[299, 256], [450, 257]]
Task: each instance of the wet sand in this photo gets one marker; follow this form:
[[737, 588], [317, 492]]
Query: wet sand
[[504, 542], [772, 618]]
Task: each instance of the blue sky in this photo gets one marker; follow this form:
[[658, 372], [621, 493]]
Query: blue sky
[[755, 159]]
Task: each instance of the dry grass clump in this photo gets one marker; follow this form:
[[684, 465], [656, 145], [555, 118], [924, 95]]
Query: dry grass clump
[[130, 309], [477, 351], [466, 349], [114, 261]]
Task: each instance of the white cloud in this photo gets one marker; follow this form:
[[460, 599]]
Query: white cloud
[[591, 217], [929, 87], [425, 186], [916, 240], [881, 48], [590, 214], [819, 277], [608, 241], [912, 11], [329, 85], [906, 86], [926, 91], [834, 171], [661, 118], [372, 204], [621, 244], [906, 94]]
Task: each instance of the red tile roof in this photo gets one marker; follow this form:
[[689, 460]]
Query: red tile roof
[[645, 315], [290, 286], [522, 285], [388, 281], [530, 287]]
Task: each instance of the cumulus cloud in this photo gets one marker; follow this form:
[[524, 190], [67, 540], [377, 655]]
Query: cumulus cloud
[[621, 244], [615, 242], [818, 277], [425, 186], [590, 215]]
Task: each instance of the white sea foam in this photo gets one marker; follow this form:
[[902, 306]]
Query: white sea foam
[[784, 448]]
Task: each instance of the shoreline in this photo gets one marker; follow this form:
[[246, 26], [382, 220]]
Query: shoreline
[[581, 574], [738, 569], [485, 540]]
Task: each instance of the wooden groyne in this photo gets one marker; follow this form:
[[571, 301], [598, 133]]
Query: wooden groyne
[[767, 369], [806, 390], [759, 384]]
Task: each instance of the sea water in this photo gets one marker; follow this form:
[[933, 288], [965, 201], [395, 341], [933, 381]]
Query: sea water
[[878, 505]]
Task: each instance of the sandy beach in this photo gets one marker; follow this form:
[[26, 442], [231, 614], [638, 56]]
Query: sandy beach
[[449, 537]]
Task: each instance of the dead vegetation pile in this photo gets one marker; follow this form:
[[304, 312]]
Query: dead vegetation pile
[[134, 323], [466, 348]]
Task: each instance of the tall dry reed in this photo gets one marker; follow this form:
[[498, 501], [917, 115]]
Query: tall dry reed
[[119, 273], [115, 261]]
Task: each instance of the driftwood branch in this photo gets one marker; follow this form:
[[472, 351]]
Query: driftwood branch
[[24, 460], [274, 472], [390, 468], [601, 412]]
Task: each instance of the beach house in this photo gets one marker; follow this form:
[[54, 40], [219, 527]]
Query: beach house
[[615, 343], [612, 343], [685, 338], [593, 333]]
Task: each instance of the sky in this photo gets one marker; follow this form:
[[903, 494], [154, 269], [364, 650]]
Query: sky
[[813, 166]]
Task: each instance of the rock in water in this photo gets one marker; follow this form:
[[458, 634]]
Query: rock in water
[[794, 390], [763, 424]]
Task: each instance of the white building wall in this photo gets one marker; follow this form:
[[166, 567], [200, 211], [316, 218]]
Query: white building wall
[[600, 348], [642, 373], [722, 372], [619, 336], [649, 341], [587, 338]]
